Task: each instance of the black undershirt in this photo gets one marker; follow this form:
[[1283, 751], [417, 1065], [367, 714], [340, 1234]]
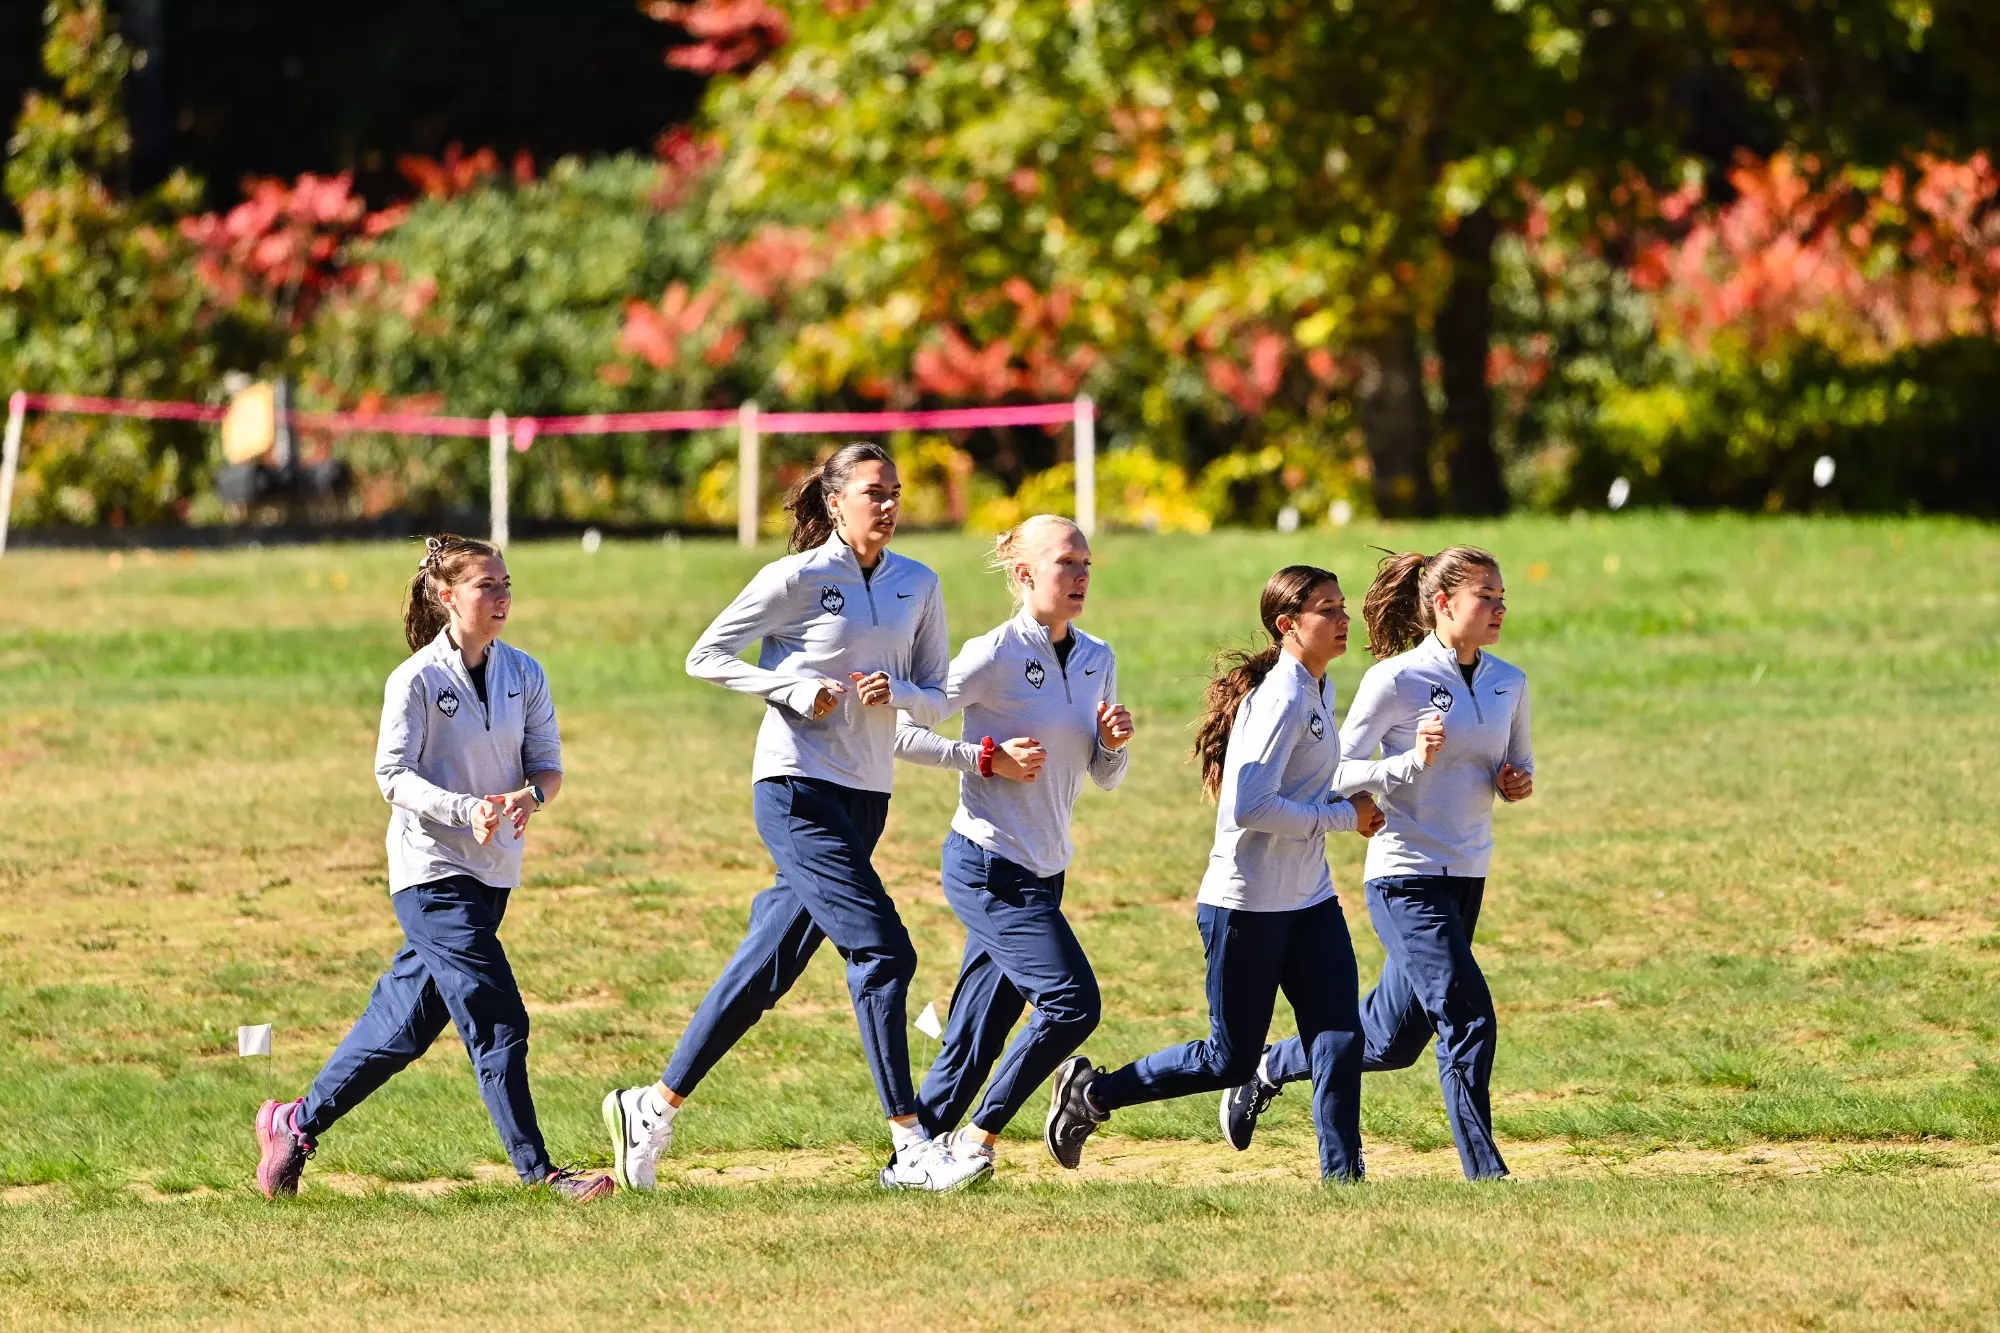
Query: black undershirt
[[1465, 669], [1063, 647], [478, 675]]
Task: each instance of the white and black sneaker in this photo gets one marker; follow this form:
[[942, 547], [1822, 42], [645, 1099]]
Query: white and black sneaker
[[930, 1165], [1072, 1118], [640, 1136], [1240, 1108]]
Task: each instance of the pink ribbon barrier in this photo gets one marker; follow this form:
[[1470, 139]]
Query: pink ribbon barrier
[[596, 423]]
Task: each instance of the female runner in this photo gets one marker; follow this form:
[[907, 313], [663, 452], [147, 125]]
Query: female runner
[[465, 716], [1267, 912], [1430, 618], [851, 633], [1054, 690]]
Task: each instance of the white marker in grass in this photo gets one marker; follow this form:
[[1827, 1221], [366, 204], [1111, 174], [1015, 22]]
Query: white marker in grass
[[929, 1024], [1823, 471], [1621, 491], [253, 1040]]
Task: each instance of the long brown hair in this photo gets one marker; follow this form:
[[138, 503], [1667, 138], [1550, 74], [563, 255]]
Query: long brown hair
[[446, 559], [1238, 673], [1400, 607], [810, 503]]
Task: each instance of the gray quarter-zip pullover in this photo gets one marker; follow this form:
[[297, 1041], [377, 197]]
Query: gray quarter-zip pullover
[[1010, 682], [441, 751], [819, 614], [1439, 816], [1277, 802]]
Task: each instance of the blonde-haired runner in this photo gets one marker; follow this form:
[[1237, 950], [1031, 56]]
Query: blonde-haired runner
[[1052, 691]]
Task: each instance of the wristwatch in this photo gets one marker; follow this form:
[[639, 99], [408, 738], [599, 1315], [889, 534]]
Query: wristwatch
[[535, 791], [986, 749]]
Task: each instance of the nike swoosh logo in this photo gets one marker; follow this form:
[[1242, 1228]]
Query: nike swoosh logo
[[1090, 671], [904, 596], [1499, 691], [513, 694]]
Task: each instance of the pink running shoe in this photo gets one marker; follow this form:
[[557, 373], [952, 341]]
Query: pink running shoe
[[576, 1186], [282, 1150]]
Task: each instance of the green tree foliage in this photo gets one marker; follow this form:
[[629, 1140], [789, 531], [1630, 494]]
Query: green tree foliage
[[512, 296], [1228, 220], [97, 294]]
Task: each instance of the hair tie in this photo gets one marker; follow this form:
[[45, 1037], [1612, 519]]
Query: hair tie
[[432, 546]]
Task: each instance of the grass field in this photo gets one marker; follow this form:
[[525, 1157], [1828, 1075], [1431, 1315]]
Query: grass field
[[1745, 941]]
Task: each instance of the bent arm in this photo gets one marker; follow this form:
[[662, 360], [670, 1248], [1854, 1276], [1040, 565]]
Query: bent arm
[[1520, 743], [1376, 708], [1267, 731], [1107, 766], [399, 746], [965, 683], [744, 621], [541, 743], [924, 696]]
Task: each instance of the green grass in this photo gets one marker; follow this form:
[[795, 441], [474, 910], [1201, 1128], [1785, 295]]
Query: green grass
[[1753, 902]]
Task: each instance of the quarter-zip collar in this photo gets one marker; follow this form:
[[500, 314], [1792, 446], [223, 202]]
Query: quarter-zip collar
[[1438, 650], [1038, 636], [844, 553], [454, 662], [1441, 651], [1302, 677]]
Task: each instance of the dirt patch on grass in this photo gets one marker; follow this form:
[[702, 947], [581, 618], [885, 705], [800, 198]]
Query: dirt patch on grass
[[1180, 1162]]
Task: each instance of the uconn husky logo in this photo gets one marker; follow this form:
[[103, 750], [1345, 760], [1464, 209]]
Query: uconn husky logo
[[831, 598], [1317, 726], [1036, 673], [447, 702], [1441, 698]]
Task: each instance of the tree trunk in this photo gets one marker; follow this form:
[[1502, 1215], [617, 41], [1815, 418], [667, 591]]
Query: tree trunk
[[1396, 422], [1464, 332]]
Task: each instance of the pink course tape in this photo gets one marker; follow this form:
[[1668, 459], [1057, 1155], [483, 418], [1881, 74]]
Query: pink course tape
[[597, 423]]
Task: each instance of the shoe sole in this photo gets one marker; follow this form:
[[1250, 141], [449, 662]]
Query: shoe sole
[[614, 1120], [1222, 1118], [1066, 1074]]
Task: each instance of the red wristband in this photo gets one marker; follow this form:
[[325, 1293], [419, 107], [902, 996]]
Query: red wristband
[[986, 749]]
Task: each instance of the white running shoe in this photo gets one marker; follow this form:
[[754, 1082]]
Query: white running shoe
[[638, 1137], [960, 1144], [932, 1166]]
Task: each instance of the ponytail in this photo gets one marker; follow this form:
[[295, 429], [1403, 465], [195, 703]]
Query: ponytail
[[811, 501], [1400, 608], [445, 559], [1238, 673]]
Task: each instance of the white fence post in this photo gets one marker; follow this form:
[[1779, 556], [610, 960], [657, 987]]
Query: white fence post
[[496, 456], [10, 459], [746, 474], [1086, 465]]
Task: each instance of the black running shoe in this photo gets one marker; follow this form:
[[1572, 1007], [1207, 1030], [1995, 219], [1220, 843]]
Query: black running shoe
[[1240, 1108], [1072, 1119]]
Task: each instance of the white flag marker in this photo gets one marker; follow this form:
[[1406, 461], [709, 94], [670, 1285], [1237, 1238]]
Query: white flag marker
[[928, 1024], [254, 1040]]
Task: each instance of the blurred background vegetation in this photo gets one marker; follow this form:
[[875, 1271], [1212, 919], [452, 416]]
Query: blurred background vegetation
[[1399, 256]]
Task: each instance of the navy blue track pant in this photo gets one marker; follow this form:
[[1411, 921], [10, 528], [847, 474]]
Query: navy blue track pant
[[821, 835], [1019, 950], [1251, 956], [451, 970], [1431, 985]]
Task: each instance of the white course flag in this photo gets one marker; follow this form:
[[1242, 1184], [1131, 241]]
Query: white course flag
[[928, 1024], [254, 1040]]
